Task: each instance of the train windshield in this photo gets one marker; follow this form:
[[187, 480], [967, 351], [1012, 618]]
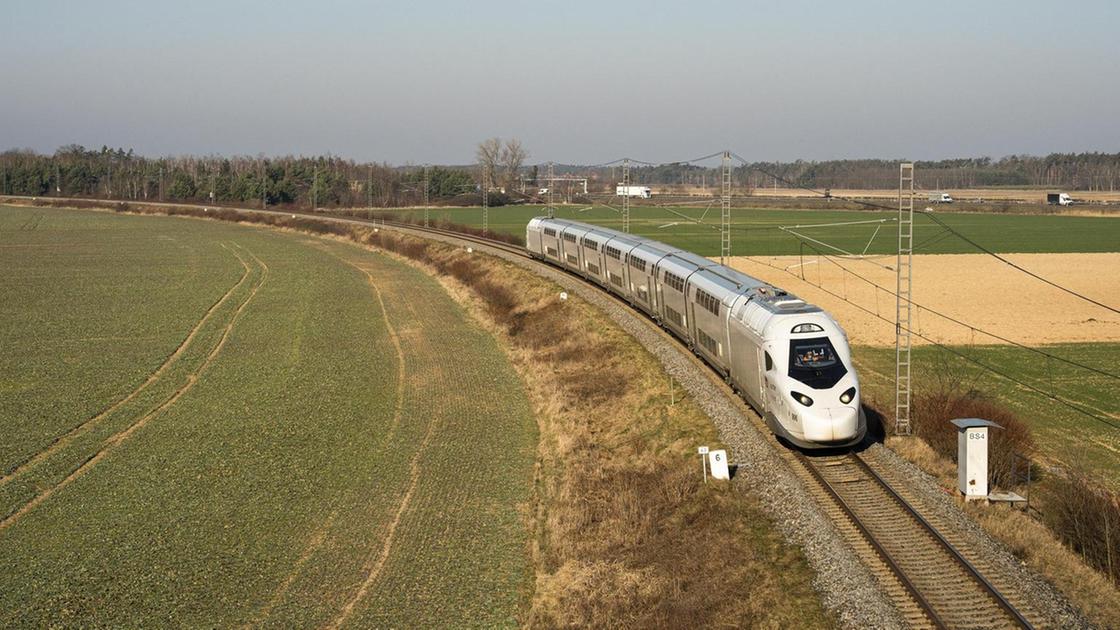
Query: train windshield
[[814, 362]]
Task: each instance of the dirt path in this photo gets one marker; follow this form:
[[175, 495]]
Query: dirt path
[[973, 288]]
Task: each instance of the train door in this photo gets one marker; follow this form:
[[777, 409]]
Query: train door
[[690, 312], [763, 378]]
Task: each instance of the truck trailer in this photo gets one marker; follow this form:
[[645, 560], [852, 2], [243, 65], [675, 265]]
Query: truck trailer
[[1058, 199], [633, 191]]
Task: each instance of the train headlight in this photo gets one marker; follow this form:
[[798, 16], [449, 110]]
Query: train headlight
[[847, 396], [802, 398]]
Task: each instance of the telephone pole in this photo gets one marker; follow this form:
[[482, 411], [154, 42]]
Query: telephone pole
[[485, 198], [626, 195], [551, 207], [725, 212], [425, 195], [904, 283]]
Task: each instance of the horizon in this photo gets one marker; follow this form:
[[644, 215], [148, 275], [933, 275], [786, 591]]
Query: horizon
[[709, 163]]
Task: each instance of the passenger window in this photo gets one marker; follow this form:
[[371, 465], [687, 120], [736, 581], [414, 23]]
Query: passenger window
[[769, 362]]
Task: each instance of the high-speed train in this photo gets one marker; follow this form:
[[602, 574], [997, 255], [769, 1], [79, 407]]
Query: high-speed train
[[788, 359]]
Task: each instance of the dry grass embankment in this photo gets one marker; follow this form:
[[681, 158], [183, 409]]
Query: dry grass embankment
[[625, 531]]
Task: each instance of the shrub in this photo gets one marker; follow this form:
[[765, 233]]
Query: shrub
[[1086, 516], [933, 411]]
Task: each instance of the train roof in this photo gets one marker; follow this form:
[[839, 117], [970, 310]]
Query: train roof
[[718, 276]]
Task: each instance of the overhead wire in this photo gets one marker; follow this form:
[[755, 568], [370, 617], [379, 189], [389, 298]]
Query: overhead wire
[[945, 233], [1021, 268]]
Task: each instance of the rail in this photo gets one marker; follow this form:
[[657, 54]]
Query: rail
[[932, 571]]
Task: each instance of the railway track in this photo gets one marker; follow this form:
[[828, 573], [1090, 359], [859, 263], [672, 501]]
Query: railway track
[[933, 584]]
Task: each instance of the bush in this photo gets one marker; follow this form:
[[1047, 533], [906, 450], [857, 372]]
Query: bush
[[933, 410], [1086, 516]]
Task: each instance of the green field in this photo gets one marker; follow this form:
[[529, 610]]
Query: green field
[[757, 232], [1062, 433], [209, 424]]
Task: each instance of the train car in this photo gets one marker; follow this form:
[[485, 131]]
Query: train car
[[788, 359]]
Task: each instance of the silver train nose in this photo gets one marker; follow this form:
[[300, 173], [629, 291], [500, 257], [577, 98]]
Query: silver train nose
[[833, 424]]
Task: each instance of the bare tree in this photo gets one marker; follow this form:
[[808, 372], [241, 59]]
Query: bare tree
[[489, 155], [513, 156]]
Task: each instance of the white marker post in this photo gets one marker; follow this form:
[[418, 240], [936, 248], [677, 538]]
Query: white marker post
[[703, 450], [719, 465]]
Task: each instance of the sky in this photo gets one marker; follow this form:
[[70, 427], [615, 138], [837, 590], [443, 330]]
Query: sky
[[576, 82]]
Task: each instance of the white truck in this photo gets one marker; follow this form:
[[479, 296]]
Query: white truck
[[1059, 199], [633, 191], [940, 197]]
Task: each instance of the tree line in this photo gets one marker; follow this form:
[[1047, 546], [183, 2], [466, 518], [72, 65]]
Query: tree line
[[329, 181], [1066, 171], [319, 181]]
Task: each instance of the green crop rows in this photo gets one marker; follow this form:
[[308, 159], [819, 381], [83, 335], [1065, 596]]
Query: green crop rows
[[285, 467], [757, 232], [1062, 433]]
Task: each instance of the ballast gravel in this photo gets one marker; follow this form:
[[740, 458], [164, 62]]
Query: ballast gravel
[[847, 588]]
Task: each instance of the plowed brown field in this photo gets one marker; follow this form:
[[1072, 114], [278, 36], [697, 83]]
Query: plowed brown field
[[974, 288]]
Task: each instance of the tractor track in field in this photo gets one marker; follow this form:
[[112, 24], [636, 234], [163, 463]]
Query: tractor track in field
[[394, 337], [120, 437], [81, 428], [316, 540], [374, 565], [378, 563]]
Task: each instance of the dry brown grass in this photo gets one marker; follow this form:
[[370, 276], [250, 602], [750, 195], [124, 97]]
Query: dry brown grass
[[1086, 515], [625, 531]]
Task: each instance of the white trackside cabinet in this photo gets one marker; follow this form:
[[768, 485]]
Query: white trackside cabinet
[[973, 436]]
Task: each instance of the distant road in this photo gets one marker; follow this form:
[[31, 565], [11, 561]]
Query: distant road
[[1032, 195]]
